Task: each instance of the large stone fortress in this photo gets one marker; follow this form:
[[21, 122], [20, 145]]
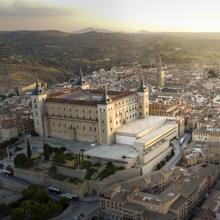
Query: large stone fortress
[[82, 114]]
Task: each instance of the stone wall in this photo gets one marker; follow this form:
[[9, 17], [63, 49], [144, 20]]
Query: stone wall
[[70, 172], [97, 187], [94, 187], [40, 178]]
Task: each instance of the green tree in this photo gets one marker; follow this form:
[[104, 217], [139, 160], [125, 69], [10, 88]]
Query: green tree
[[44, 212], [18, 214], [29, 153], [41, 196], [59, 158], [46, 151], [54, 208], [20, 160], [62, 149], [82, 150], [51, 149], [30, 191], [36, 205], [64, 202], [76, 158], [55, 149], [4, 209]]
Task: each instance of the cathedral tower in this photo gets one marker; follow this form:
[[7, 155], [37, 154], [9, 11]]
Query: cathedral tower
[[38, 97], [106, 119], [143, 99]]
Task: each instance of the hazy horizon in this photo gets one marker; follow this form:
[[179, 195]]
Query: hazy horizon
[[114, 15], [109, 31]]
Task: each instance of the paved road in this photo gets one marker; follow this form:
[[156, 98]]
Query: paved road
[[178, 149], [173, 161], [15, 180]]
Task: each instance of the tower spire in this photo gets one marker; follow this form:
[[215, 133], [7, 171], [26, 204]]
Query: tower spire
[[37, 81], [81, 82], [38, 87], [105, 98], [162, 74], [142, 86]]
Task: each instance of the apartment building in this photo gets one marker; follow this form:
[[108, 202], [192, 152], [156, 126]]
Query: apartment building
[[177, 200]]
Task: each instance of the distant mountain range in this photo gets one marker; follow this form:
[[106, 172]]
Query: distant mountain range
[[102, 30], [143, 32], [92, 29]]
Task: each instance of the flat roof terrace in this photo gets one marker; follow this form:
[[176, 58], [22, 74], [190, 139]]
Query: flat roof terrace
[[157, 134], [140, 127], [116, 152]]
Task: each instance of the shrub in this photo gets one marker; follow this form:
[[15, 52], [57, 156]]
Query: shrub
[[37, 205], [62, 150], [64, 202], [21, 160], [4, 209], [86, 164], [29, 153], [69, 156], [50, 149], [46, 152], [90, 172], [108, 170], [59, 158]]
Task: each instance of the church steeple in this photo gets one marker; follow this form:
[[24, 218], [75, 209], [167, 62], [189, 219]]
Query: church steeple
[[81, 82], [162, 74], [37, 82], [143, 98], [105, 99], [37, 89], [142, 86]]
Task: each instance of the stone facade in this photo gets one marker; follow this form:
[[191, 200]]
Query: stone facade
[[206, 135], [87, 115]]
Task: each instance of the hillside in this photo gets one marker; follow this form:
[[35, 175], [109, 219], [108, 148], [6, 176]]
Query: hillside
[[57, 55]]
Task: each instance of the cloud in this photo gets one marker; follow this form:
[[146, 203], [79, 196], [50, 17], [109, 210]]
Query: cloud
[[27, 8]]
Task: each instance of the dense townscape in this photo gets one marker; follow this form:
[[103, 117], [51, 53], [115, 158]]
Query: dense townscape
[[124, 142]]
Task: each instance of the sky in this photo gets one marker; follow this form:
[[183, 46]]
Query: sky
[[115, 15]]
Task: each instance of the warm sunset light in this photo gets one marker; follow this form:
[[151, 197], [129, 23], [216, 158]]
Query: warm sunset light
[[117, 15]]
